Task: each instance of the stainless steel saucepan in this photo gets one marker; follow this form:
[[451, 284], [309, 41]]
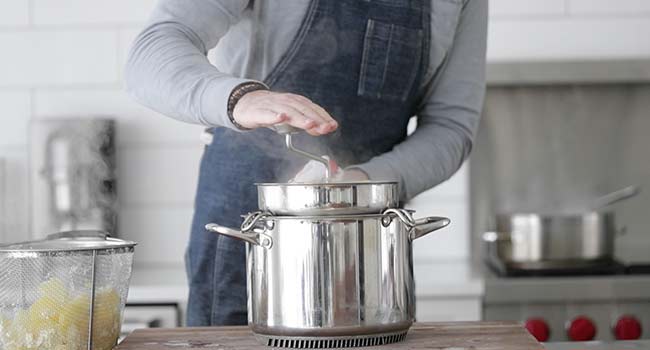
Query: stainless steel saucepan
[[530, 240], [537, 240], [331, 281]]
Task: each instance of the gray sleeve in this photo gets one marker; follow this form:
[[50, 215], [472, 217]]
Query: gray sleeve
[[167, 68], [448, 119]]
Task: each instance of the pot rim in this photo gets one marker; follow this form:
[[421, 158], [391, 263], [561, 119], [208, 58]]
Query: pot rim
[[348, 217], [325, 184]]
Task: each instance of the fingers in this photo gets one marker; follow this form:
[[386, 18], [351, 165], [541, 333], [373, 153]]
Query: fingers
[[304, 114], [269, 117], [320, 123], [294, 116], [309, 108], [297, 108]]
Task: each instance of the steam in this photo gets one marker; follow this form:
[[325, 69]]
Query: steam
[[79, 169], [316, 172], [343, 149]]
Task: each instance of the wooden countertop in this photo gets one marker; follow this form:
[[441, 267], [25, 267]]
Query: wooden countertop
[[452, 335]]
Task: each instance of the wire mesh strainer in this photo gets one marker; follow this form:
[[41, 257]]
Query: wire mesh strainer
[[65, 292]]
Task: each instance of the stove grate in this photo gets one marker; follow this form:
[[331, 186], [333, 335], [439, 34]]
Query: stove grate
[[332, 342], [605, 267]]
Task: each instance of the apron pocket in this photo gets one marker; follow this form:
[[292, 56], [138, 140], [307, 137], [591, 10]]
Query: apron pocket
[[390, 61]]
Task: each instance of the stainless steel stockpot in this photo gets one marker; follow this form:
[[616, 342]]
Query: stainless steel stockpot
[[340, 198], [334, 280], [532, 240]]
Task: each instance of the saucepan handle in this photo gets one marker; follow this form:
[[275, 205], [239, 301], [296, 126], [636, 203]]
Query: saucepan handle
[[255, 237]]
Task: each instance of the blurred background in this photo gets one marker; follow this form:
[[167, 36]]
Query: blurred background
[[566, 120]]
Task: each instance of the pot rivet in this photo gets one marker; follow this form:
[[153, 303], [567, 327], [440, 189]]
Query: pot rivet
[[265, 242]]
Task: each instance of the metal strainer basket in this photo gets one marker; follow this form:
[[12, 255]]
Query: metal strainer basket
[[66, 292]]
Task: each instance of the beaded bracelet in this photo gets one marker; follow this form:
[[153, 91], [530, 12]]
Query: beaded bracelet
[[237, 93]]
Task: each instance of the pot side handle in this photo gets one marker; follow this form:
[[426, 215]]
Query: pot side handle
[[427, 225], [255, 237]]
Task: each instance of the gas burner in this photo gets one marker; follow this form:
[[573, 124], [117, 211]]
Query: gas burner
[[557, 269], [638, 269]]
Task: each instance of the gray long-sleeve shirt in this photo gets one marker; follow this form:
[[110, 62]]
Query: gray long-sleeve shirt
[[168, 71]]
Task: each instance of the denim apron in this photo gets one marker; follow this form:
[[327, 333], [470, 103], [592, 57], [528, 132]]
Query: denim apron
[[363, 61]]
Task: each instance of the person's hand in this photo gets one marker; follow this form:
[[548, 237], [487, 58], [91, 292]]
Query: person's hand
[[263, 108], [352, 175]]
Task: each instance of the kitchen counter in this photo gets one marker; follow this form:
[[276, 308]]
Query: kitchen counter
[[460, 335]]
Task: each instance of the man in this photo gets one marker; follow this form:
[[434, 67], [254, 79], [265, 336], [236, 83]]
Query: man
[[350, 73]]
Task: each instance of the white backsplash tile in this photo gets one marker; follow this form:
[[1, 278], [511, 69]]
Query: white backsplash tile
[[16, 109], [568, 38], [526, 7], [136, 124], [53, 57], [16, 191], [451, 242], [125, 39], [609, 7], [14, 13], [158, 174], [162, 232], [91, 11]]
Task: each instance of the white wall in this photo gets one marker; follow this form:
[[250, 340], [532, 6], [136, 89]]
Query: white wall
[[64, 57], [568, 29]]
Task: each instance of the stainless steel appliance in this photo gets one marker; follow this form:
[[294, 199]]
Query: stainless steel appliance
[[600, 345], [72, 175], [609, 307], [555, 136], [327, 281]]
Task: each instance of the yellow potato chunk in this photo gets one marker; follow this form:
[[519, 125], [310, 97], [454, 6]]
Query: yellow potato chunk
[[59, 321]]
